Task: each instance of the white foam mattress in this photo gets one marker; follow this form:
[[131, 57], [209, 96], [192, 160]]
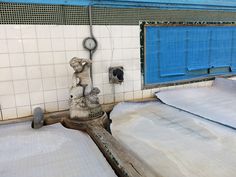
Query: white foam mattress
[[51, 151], [216, 103], [173, 143]]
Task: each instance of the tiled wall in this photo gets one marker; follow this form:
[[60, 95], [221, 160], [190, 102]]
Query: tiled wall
[[34, 69]]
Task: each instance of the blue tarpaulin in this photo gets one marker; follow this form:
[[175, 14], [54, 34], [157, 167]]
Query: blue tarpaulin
[[184, 52]]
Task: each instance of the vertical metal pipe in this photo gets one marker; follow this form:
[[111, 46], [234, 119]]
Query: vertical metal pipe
[[91, 34], [90, 21]]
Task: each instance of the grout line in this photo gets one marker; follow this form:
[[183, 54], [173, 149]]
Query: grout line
[[26, 72], [11, 80], [54, 71]]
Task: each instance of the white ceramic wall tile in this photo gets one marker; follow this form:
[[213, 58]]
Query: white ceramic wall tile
[[80, 44], [137, 85], [44, 45], [127, 43], [70, 71], [23, 111], [70, 55], [116, 31], [17, 59], [7, 101], [96, 31], [107, 64], [50, 96], [62, 94], [9, 113], [106, 43], [147, 93], [119, 88], [3, 32], [49, 83], [105, 78], [22, 99], [129, 96], [51, 107], [108, 99], [62, 82], [106, 55], [31, 59], [35, 85], [107, 89], [118, 54], [70, 31], [43, 31], [60, 70], [136, 71], [56, 31], [21, 86], [6, 88], [130, 31], [131, 43], [58, 44], [83, 31], [18, 73], [47, 71], [33, 72], [98, 67], [130, 54], [137, 65], [36, 98], [70, 44], [35, 58], [3, 46], [128, 75], [15, 45], [128, 86], [28, 31], [138, 94], [63, 105], [4, 60], [13, 31], [119, 97], [5, 74], [98, 78], [128, 65], [46, 58], [102, 31], [118, 43], [83, 54]]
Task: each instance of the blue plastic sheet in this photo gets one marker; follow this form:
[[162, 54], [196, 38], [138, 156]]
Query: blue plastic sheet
[[175, 53]]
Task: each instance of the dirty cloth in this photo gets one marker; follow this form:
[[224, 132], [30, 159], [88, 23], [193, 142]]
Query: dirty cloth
[[216, 103], [51, 151], [174, 143]]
